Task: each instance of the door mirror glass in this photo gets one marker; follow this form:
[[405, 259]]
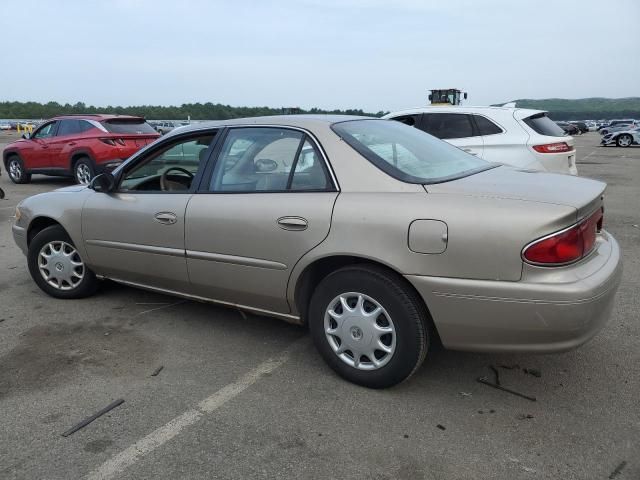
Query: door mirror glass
[[265, 165], [104, 183]]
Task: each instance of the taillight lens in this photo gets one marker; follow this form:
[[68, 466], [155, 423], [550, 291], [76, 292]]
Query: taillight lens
[[553, 148], [566, 246]]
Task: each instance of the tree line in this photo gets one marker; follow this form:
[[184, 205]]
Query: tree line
[[197, 111]]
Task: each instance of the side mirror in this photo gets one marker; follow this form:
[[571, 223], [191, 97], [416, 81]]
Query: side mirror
[[465, 95], [26, 136], [430, 97], [103, 183]]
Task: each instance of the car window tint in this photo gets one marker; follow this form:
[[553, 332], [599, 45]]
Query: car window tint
[[448, 125], [486, 126], [175, 165], [310, 172], [128, 125], [411, 120], [45, 132], [543, 125], [68, 127], [83, 126], [256, 160]]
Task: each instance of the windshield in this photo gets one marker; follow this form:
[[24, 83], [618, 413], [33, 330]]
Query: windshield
[[128, 125], [406, 153]]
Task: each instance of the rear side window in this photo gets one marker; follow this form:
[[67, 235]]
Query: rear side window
[[447, 125], [411, 120], [486, 126], [543, 125], [73, 127], [128, 125]]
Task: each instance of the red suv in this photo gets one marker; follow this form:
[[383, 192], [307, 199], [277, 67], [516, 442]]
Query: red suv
[[77, 145]]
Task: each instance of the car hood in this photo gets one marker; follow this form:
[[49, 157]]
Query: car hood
[[528, 185], [71, 188]]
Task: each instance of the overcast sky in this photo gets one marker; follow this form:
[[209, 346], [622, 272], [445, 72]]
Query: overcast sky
[[370, 54]]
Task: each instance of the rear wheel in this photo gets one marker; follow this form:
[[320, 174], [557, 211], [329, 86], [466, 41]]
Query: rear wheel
[[56, 266], [369, 326], [624, 140], [17, 172], [83, 171]]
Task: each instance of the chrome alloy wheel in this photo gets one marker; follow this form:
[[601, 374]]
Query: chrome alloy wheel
[[625, 140], [60, 265], [360, 331], [15, 170], [83, 174]]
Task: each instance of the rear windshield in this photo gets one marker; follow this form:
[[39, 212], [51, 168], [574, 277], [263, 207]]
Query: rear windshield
[[407, 153], [128, 125], [543, 125]]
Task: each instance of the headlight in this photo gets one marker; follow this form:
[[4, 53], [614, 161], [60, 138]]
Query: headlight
[[18, 214]]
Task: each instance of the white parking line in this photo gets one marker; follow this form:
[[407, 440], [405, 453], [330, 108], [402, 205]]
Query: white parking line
[[584, 158], [162, 435]]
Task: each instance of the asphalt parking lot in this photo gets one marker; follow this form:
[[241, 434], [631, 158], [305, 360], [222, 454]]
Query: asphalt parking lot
[[242, 396]]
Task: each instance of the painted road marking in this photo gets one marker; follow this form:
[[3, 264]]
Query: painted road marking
[[128, 457]]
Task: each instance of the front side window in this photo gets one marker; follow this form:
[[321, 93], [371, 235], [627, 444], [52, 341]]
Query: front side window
[[406, 153], [448, 125], [172, 168], [46, 131], [265, 159]]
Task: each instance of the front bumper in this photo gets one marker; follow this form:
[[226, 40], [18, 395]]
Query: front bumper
[[549, 310], [20, 237]]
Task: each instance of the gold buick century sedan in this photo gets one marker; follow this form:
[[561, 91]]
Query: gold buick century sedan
[[381, 238]]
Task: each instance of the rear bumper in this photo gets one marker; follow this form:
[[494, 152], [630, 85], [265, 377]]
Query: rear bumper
[[549, 310], [564, 162]]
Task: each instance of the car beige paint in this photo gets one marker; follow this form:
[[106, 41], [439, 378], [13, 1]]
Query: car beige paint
[[231, 248]]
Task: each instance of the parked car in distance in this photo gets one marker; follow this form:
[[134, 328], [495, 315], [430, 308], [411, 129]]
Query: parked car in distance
[[622, 137], [582, 127], [616, 123], [381, 238], [78, 145], [569, 128], [618, 127], [514, 136], [5, 126], [165, 127]]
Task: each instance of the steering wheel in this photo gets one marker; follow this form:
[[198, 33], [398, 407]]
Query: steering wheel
[[168, 185]]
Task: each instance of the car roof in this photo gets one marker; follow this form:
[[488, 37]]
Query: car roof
[[302, 121], [522, 112], [94, 116]]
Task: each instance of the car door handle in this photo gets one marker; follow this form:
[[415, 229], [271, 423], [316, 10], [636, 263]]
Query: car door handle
[[166, 218], [293, 223]]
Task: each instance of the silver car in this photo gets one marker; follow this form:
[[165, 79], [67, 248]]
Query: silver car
[[622, 138], [384, 240]]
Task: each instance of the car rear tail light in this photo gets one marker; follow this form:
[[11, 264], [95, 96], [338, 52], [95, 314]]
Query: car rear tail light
[[108, 141], [553, 148], [566, 246]]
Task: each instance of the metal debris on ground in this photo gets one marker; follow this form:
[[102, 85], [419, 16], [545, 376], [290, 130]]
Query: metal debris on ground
[[485, 381], [157, 371], [466, 394], [90, 419], [510, 367], [524, 416], [618, 469], [532, 371], [441, 427]]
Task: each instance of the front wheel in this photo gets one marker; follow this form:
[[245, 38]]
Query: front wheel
[[624, 140], [56, 266], [17, 172], [369, 326]]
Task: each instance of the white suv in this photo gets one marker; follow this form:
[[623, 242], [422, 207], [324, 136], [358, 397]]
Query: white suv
[[514, 136]]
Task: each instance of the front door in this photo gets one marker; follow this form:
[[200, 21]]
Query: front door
[[267, 202], [136, 234], [37, 155]]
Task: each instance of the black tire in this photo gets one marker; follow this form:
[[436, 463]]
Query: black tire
[[16, 171], [410, 320], [82, 168], [625, 136], [86, 287]]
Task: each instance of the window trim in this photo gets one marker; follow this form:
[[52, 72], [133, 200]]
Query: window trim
[[171, 141], [205, 180]]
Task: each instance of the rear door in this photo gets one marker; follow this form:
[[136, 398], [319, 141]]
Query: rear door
[[136, 234], [61, 146], [455, 128], [267, 201]]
